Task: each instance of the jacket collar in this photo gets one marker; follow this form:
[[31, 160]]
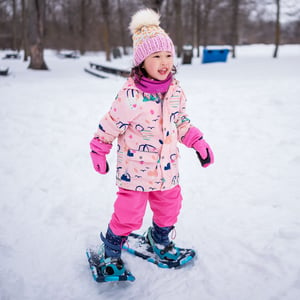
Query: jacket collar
[[129, 84]]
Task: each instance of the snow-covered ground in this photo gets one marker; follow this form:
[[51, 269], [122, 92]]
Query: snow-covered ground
[[242, 214]]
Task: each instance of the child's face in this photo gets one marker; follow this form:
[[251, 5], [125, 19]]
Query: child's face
[[159, 65]]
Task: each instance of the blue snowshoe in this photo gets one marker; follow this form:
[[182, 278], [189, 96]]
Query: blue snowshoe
[[164, 256], [107, 269]]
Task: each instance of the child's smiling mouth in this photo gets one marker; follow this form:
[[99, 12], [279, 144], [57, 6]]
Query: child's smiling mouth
[[163, 71]]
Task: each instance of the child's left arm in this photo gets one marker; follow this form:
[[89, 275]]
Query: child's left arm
[[192, 137]]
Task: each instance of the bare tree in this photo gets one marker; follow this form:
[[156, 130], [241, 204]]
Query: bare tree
[[36, 25], [234, 25], [193, 22], [14, 25], [208, 5], [178, 26], [198, 25], [154, 4], [25, 29], [105, 28], [84, 5], [122, 27], [168, 13], [277, 29]]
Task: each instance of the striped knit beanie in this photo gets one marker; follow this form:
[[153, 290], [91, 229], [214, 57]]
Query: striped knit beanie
[[147, 36]]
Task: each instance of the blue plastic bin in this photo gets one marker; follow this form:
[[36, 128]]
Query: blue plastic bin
[[214, 55]]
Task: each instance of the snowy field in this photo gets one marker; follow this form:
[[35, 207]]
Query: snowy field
[[242, 214]]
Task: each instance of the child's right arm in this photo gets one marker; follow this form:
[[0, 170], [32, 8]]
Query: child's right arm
[[114, 123], [117, 120]]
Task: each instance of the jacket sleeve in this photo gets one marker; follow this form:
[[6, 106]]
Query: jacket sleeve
[[183, 122], [116, 121]]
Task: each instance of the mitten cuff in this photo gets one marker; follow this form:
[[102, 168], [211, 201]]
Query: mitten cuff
[[99, 147], [192, 136]]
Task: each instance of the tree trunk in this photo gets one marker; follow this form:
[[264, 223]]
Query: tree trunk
[[121, 19], [193, 23], [25, 29], [36, 25], [105, 30], [82, 30], [198, 25], [178, 35], [206, 14], [234, 25], [168, 21], [277, 29], [14, 26], [156, 4]]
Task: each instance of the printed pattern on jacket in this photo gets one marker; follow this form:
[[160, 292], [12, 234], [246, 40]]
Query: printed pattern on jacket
[[148, 127]]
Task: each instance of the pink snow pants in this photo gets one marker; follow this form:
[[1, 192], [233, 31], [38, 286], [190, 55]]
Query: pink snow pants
[[130, 207]]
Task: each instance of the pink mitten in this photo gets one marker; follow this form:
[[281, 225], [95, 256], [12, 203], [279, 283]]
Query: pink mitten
[[98, 155], [194, 139]]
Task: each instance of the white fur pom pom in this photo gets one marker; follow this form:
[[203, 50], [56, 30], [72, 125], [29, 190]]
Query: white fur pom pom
[[144, 17]]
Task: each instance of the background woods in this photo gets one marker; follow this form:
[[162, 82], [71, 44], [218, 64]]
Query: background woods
[[102, 25]]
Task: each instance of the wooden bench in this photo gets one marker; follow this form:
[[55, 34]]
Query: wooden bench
[[95, 72], [68, 55], [12, 56], [110, 70]]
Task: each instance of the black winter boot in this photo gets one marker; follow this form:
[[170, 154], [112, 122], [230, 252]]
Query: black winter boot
[[112, 243], [161, 234]]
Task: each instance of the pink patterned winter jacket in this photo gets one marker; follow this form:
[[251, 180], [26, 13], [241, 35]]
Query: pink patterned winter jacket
[[148, 127]]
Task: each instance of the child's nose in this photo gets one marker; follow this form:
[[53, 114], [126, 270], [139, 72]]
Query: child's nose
[[163, 61]]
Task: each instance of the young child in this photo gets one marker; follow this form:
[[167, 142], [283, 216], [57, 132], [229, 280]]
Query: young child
[[148, 117]]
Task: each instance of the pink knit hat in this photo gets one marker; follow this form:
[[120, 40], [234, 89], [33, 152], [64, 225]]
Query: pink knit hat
[[147, 36]]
